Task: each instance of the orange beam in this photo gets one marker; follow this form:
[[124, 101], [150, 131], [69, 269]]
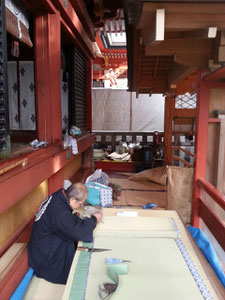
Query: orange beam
[[72, 19], [81, 10], [99, 42]]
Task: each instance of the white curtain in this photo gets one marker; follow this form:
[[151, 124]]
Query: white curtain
[[27, 96], [25, 85], [111, 111], [64, 102]]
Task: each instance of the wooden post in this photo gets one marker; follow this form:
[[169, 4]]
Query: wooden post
[[168, 130], [48, 87], [41, 78], [47, 74], [200, 143]]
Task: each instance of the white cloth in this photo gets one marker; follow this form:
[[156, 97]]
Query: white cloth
[[74, 146]]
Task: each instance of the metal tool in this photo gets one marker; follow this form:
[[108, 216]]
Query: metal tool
[[113, 261], [92, 249]]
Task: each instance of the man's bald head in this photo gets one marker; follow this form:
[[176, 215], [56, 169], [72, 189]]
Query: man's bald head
[[77, 191]]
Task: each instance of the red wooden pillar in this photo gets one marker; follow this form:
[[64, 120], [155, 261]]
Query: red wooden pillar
[[89, 95], [48, 90], [168, 130], [200, 143], [41, 78], [47, 74]]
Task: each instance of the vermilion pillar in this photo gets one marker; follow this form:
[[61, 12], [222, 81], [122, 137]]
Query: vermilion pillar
[[47, 75], [48, 84], [200, 143]]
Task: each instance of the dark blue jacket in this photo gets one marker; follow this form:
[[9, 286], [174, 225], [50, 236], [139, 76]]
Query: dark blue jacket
[[52, 244]]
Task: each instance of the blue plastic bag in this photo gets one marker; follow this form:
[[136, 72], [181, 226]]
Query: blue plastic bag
[[93, 196], [208, 251]]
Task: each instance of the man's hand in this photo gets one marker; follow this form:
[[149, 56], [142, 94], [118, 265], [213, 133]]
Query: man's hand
[[98, 216]]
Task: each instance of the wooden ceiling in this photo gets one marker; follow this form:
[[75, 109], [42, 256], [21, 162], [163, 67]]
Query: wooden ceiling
[[170, 40]]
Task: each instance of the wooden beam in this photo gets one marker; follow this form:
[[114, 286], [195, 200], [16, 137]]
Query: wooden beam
[[188, 52], [197, 33], [39, 5], [184, 112], [174, 46], [210, 32], [194, 60], [42, 164], [179, 73], [153, 84], [154, 32], [218, 74], [81, 10], [73, 21], [184, 8], [183, 21]]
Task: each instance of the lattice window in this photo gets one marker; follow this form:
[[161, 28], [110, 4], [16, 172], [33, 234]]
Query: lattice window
[[77, 89], [186, 101]]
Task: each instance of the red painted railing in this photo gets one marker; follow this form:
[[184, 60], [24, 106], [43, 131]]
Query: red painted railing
[[214, 223]]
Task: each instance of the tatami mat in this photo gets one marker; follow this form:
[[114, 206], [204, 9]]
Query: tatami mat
[[40, 289]]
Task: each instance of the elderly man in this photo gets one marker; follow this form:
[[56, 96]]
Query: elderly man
[[56, 232]]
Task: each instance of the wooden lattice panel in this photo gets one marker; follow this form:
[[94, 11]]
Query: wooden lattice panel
[[186, 101]]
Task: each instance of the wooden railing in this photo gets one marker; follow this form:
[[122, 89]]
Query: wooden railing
[[189, 155], [214, 223], [111, 138]]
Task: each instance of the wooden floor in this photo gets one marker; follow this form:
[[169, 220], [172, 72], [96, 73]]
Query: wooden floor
[[138, 193]]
